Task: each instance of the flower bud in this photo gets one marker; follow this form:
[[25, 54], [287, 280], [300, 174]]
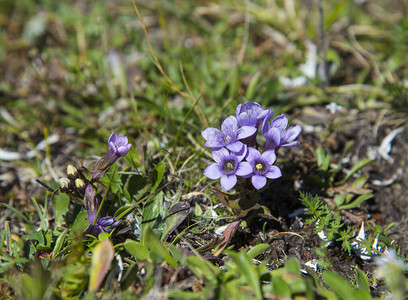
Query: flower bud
[[72, 172], [79, 183], [64, 183]]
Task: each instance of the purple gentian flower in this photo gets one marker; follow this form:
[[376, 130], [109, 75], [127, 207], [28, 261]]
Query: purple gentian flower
[[250, 114], [227, 167], [105, 224], [118, 147], [277, 133], [228, 136], [261, 165]]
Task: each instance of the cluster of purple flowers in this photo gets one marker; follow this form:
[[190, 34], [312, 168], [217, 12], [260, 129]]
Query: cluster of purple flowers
[[235, 148]]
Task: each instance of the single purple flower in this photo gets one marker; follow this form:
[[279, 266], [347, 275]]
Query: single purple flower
[[118, 147], [227, 167], [119, 144], [278, 134], [228, 136], [262, 168], [250, 114], [105, 224]]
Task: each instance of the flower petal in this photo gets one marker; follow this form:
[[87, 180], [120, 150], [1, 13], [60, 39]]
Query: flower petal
[[112, 138], [273, 138], [228, 181], [273, 173], [246, 131], [269, 156], [211, 136], [258, 181], [123, 150], [266, 125], [209, 132], [292, 133], [113, 147], [121, 141], [252, 154], [244, 169], [291, 144], [219, 154], [238, 109], [106, 221], [213, 171], [230, 124], [267, 113], [242, 153], [235, 146], [280, 122]]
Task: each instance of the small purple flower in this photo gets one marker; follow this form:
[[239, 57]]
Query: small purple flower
[[105, 224], [277, 133], [228, 136], [261, 165], [118, 147], [250, 114], [227, 167]]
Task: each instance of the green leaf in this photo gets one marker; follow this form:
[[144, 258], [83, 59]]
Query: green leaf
[[362, 281], [102, 257], [197, 210], [157, 176], [319, 156], [281, 287], [151, 211], [292, 265], [339, 199], [103, 236], [176, 215], [59, 243], [358, 166], [136, 249], [360, 199], [359, 182], [250, 273], [123, 211], [339, 285], [34, 286], [322, 159], [201, 268], [257, 250], [81, 224], [157, 247], [60, 205]]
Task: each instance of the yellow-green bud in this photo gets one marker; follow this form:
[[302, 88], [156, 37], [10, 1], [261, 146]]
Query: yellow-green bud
[[72, 171], [64, 183], [79, 183]]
